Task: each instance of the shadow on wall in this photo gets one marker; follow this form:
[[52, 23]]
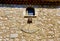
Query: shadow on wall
[[25, 6]]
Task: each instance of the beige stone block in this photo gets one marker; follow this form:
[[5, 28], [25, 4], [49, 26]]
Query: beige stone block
[[43, 40], [50, 39], [0, 39], [13, 36], [58, 39]]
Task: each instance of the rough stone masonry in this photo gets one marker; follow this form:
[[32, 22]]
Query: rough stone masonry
[[12, 21]]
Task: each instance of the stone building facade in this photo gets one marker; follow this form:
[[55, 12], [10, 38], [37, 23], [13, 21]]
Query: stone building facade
[[44, 27]]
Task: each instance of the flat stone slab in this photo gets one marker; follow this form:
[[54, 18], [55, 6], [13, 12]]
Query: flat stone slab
[[13, 35]]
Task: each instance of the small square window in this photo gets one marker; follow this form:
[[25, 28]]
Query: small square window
[[30, 11]]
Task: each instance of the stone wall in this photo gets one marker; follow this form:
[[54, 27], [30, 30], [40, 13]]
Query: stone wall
[[14, 27]]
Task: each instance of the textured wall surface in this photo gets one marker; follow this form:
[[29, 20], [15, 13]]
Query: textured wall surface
[[14, 27]]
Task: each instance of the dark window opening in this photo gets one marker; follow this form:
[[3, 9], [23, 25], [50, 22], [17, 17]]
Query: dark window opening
[[30, 11]]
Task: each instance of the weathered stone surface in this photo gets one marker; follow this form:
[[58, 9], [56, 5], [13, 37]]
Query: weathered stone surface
[[12, 21]]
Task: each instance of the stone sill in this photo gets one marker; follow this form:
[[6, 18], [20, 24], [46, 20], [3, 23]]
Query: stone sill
[[29, 16]]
